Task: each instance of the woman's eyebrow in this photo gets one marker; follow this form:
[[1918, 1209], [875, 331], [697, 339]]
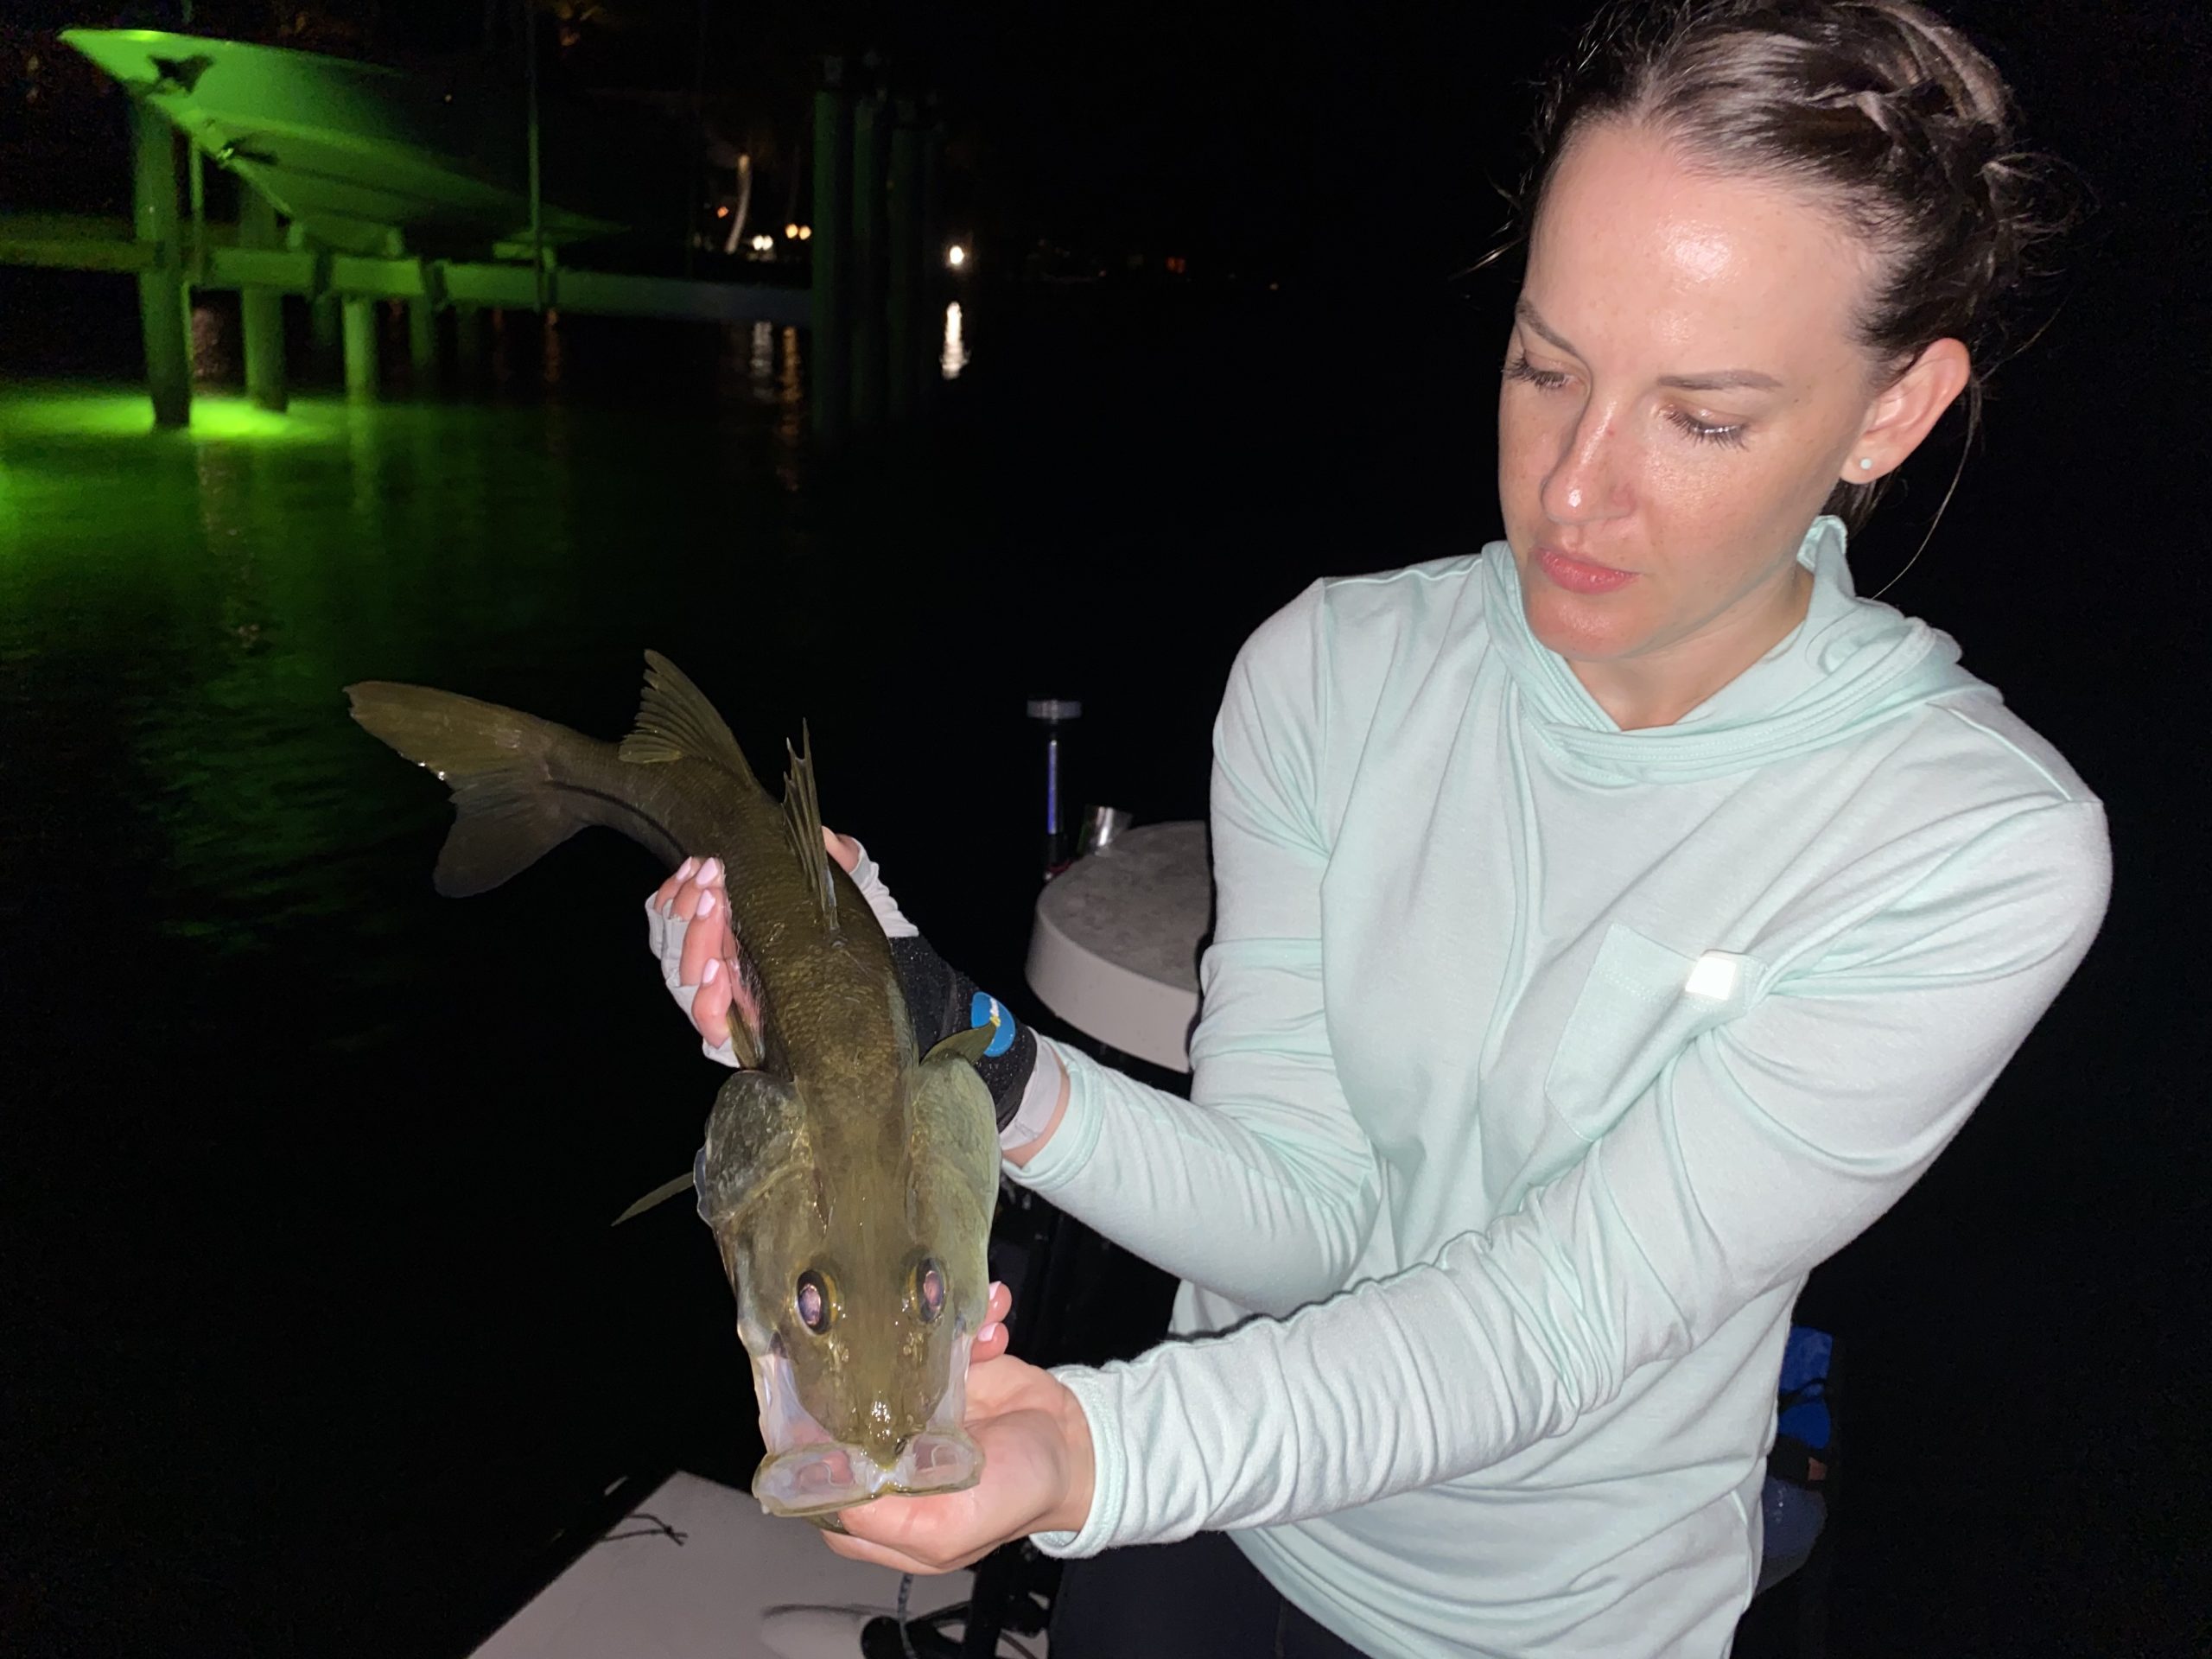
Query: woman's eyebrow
[[1716, 381], [1721, 380], [1534, 322]]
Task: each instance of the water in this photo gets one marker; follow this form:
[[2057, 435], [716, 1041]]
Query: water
[[318, 1332]]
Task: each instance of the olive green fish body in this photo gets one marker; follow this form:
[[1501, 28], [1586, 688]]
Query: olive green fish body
[[849, 1180]]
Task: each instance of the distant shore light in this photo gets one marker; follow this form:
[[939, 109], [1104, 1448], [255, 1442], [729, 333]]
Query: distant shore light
[[790, 232], [956, 255], [954, 357]]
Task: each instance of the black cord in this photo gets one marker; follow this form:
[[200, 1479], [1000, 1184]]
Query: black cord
[[659, 1528], [905, 1641]]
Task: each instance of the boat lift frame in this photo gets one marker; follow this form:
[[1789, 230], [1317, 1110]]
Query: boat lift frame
[[871, 247]]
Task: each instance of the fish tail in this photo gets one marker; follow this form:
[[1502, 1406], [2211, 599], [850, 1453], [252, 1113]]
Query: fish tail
[[511, 803]]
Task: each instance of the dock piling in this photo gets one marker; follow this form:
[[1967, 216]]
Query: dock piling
[[162, 317], [830, 280], [871, 145], [423, 346], [323, 333], [930, 280], [469, 343], [261, 310], [903, 301], [360, 328]]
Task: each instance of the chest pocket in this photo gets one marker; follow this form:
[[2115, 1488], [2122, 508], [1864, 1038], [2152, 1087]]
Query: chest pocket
[[1642, 1004]]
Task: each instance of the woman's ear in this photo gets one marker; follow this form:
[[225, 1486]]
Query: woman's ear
[[1904, 411]]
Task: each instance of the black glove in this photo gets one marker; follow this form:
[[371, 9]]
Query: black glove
[[943, 1001]]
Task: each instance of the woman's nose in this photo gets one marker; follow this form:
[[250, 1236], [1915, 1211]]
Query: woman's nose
[[1588, 482]]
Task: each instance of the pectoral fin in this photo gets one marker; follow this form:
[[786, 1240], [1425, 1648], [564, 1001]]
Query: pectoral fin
[[654, 1199], [970, 1045]]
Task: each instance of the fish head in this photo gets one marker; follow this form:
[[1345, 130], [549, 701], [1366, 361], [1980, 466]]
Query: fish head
[[861, 1283]]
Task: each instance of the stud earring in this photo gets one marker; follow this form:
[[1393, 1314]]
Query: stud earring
[[1865, 463]]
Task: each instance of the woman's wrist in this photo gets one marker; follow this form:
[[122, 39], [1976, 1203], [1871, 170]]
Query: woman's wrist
[[1044, 1106], [1080, 1474]]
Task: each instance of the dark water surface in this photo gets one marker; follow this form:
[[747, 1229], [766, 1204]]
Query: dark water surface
[[316, 1330]]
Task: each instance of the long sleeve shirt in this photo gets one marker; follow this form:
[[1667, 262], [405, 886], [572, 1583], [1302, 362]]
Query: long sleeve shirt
[[1539, 1062]]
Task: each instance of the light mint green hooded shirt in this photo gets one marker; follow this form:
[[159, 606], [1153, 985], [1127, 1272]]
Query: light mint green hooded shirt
[[1539, 1062]]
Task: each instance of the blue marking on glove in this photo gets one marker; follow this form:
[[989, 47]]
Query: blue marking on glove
[[983, 1009]]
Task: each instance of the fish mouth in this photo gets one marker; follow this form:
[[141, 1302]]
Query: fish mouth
[[810, 1471]]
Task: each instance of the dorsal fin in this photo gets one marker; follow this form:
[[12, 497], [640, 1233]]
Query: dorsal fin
[[803, 823], [676, 722]]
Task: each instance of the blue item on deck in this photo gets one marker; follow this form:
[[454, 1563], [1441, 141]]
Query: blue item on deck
[[1793, 1505], [1805, 1359]]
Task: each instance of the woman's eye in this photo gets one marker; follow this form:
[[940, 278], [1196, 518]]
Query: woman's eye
[[1519, 368], [1708, 431]]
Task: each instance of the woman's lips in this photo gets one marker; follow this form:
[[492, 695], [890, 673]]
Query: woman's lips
[[1579, 575]]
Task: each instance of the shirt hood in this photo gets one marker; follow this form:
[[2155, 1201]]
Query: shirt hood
[[1852, 664]]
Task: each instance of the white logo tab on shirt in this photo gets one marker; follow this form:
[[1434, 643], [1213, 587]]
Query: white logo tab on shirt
[[1713, 976]]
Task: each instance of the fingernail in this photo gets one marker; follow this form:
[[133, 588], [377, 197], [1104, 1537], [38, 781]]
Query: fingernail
[[990, 1333], [710, 871], [711, 972], [996, 1286], [683, 870], [706, 903]]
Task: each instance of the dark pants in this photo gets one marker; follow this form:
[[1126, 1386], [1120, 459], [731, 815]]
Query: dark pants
[[1198, 1599]]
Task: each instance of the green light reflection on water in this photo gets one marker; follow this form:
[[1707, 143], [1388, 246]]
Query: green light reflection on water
[[195, 599], [31, 413], [180, 610]]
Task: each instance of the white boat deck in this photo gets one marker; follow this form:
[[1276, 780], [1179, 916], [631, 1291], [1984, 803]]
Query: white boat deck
[[697, 1572]]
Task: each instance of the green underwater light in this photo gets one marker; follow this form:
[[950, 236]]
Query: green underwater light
[[57, 411]]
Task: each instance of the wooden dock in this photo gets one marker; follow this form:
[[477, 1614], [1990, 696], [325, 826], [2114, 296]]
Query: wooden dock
[[347, 172]]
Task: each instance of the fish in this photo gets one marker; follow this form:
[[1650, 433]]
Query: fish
[[849, 1179]]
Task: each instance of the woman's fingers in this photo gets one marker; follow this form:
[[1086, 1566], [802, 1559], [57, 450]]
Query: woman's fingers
[[664, 894], [710, 1006], [708, 938], [991, 1336], [843, 849], [695, 894], [859, 1549]]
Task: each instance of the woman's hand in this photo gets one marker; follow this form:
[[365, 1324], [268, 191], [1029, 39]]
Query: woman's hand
[[690, 931], [1037, 1470], [695, 895]]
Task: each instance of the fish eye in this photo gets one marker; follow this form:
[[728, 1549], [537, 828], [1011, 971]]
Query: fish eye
[[812, 1302], [929, 1291]]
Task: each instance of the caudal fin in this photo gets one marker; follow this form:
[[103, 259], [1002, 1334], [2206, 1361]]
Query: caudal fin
[[509, 811]]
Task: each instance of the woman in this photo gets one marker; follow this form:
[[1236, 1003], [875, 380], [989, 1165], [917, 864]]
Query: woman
[[1610, 925]]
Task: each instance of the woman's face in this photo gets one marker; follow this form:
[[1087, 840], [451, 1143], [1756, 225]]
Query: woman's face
[[1682, 391]]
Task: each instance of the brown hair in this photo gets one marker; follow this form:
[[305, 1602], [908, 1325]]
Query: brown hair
[[1891, 117]]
